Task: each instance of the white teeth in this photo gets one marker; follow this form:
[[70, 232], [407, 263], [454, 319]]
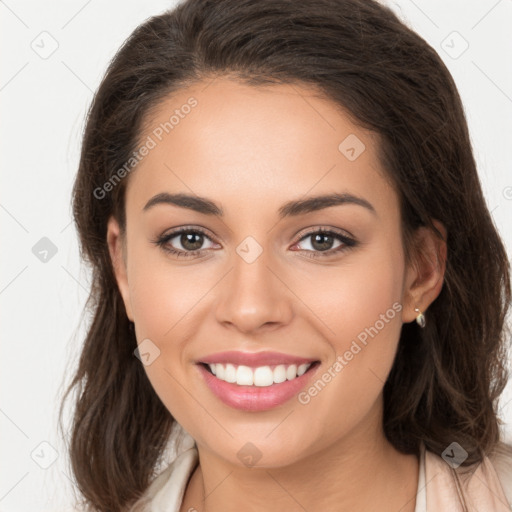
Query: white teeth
[[262, 376], [220, 372], [301, 370], [279, 374], [291, 372], [244, 376], [230, 375]]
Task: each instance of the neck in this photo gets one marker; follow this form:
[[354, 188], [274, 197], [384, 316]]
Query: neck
[[362, 471]]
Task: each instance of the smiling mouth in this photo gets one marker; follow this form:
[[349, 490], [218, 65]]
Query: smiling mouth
[[260, 376]]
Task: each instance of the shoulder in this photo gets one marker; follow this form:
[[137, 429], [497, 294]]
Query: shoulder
[[166, 491], [165, 494], [487, 484], [501, 459]]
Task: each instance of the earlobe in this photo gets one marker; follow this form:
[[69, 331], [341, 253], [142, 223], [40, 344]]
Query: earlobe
[[115, 247], [425, 276]]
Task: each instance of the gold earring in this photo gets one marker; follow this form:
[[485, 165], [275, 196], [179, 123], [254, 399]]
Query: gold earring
[[420, 319]]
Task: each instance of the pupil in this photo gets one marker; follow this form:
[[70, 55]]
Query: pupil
[[193, 241], [187, 241], [322, 246]]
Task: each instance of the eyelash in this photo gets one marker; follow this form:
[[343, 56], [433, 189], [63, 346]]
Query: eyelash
[[347, 242]]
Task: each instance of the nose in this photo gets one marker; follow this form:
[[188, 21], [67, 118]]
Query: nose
[[254, 296]]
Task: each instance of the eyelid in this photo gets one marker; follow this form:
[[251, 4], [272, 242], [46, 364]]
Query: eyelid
[[346, 243], [186, 229], [326, 229], [302, 234], [347, 240], [189, 229]]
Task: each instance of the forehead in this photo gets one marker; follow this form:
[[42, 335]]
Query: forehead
[[233, 141]]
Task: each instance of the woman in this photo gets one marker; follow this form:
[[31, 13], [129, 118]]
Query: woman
[[298, 294]]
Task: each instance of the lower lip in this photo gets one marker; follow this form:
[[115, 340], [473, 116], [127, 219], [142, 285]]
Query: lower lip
[[256, 398]]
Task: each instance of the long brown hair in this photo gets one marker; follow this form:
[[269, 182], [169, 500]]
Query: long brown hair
[[446, 378]]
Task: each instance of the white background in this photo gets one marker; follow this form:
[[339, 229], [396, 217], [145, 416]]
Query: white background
[[44, 101]]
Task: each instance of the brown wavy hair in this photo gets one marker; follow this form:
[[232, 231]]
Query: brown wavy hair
[[446, 378]]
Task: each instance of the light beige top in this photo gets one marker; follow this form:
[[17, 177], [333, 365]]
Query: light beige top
[[486, 488]]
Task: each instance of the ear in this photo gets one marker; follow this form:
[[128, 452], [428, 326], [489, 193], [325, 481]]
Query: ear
[[424, 276], [117, 249]]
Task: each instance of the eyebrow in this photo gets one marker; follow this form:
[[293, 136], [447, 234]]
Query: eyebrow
[[289, 209]]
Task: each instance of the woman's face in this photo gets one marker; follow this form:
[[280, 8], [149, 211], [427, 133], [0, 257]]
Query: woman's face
[[261, 278]]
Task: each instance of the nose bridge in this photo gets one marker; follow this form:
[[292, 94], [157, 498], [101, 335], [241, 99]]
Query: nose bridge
[[250, 267], [252, 295]]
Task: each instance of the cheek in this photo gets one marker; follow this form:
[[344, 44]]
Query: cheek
[[366, 288], [168, 303], [163, 303], [164, 293], [363, 310], [362, 296]]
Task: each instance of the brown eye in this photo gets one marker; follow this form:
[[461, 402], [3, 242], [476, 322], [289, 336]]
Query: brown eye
[[323, 243], [184, 242], [191, 241]]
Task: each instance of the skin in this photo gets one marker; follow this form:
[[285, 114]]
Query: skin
[[251, 149]]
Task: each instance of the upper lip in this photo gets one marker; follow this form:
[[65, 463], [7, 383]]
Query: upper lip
[[254, 359]]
